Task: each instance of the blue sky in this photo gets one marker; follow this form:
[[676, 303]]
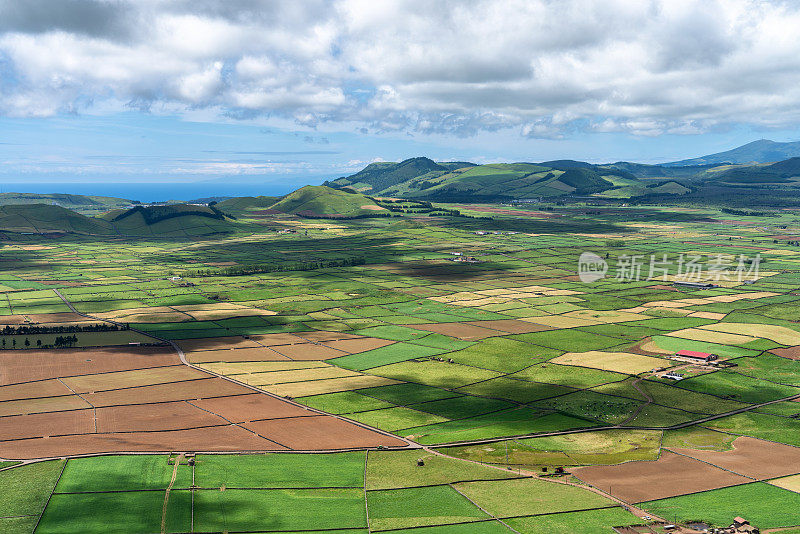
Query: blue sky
[[279, 94]]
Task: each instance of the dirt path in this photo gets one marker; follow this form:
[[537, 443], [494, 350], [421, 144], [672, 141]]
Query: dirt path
[[166, 495]]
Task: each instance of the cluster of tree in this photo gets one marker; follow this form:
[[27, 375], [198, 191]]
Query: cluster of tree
[[747, 213], [35, 330], [790, 243], [60, 342], [257, 268], [308, 215]]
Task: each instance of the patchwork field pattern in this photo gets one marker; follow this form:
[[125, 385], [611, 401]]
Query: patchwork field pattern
[[291, 334]]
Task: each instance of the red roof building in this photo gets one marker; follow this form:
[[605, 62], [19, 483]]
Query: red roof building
[[705, 356]]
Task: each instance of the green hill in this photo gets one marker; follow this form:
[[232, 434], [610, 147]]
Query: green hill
[[81, 203], [783, 172], [422, 178], [46, 218], [320, 200], [157, 221]]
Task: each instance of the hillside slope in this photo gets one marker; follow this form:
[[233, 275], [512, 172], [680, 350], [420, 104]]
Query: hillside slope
[[320, 200], [46, 218], [241, 205], [157, 221], [81, 203], [421, 178]]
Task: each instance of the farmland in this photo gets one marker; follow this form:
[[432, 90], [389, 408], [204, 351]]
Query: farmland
[[346, 374]]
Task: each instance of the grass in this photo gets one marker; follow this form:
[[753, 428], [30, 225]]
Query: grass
[[502, 355], [698, 438], [280, 470], [434, 373], [344, 402], [769, 427], [120, 473], [24, 490], [399, 352], [765, 506], [268, 510], [567, 375], [398, 469], [90, 513], [586, 522], [529, 496], [738, 387], [412, 507], [409, 393], [585, 448], [396, 418]]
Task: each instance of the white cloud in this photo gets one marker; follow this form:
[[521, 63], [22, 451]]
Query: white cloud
[[450, 67]]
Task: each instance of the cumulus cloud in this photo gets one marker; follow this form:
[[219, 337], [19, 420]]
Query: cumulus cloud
[[454, 67]]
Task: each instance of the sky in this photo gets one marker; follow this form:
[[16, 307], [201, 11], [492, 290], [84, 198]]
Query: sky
[[276, 94]]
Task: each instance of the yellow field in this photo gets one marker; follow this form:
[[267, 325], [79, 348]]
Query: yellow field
[[778, 334], [217, 343], [791, 483], [621, 362], [318, 387], [296, 375], [235, 368], [711, 336]]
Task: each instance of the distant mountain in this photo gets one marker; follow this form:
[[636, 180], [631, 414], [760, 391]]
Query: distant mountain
[[762, 151], [320, 200], [422, 178]]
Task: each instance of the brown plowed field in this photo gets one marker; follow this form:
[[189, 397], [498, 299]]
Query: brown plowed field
[[278, 339], [143, 400], [792, 353], [358, 345], [236, 355], [669, 476], [320, 432], [511, 326], [44, 388], [47, 424], [308, 351], [319, 337], [174, 391], [251, 407], [128, 379], [28, 365], [223, 438], [154, 417], [465, 331], [752, 458]]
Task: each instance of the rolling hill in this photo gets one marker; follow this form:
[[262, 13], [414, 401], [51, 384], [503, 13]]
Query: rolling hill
[[81, 203], [422, 178], [320, 200], [761, 151], [156, 221]]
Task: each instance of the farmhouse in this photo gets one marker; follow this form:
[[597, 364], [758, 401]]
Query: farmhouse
[[695, 355], [673, 375]]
